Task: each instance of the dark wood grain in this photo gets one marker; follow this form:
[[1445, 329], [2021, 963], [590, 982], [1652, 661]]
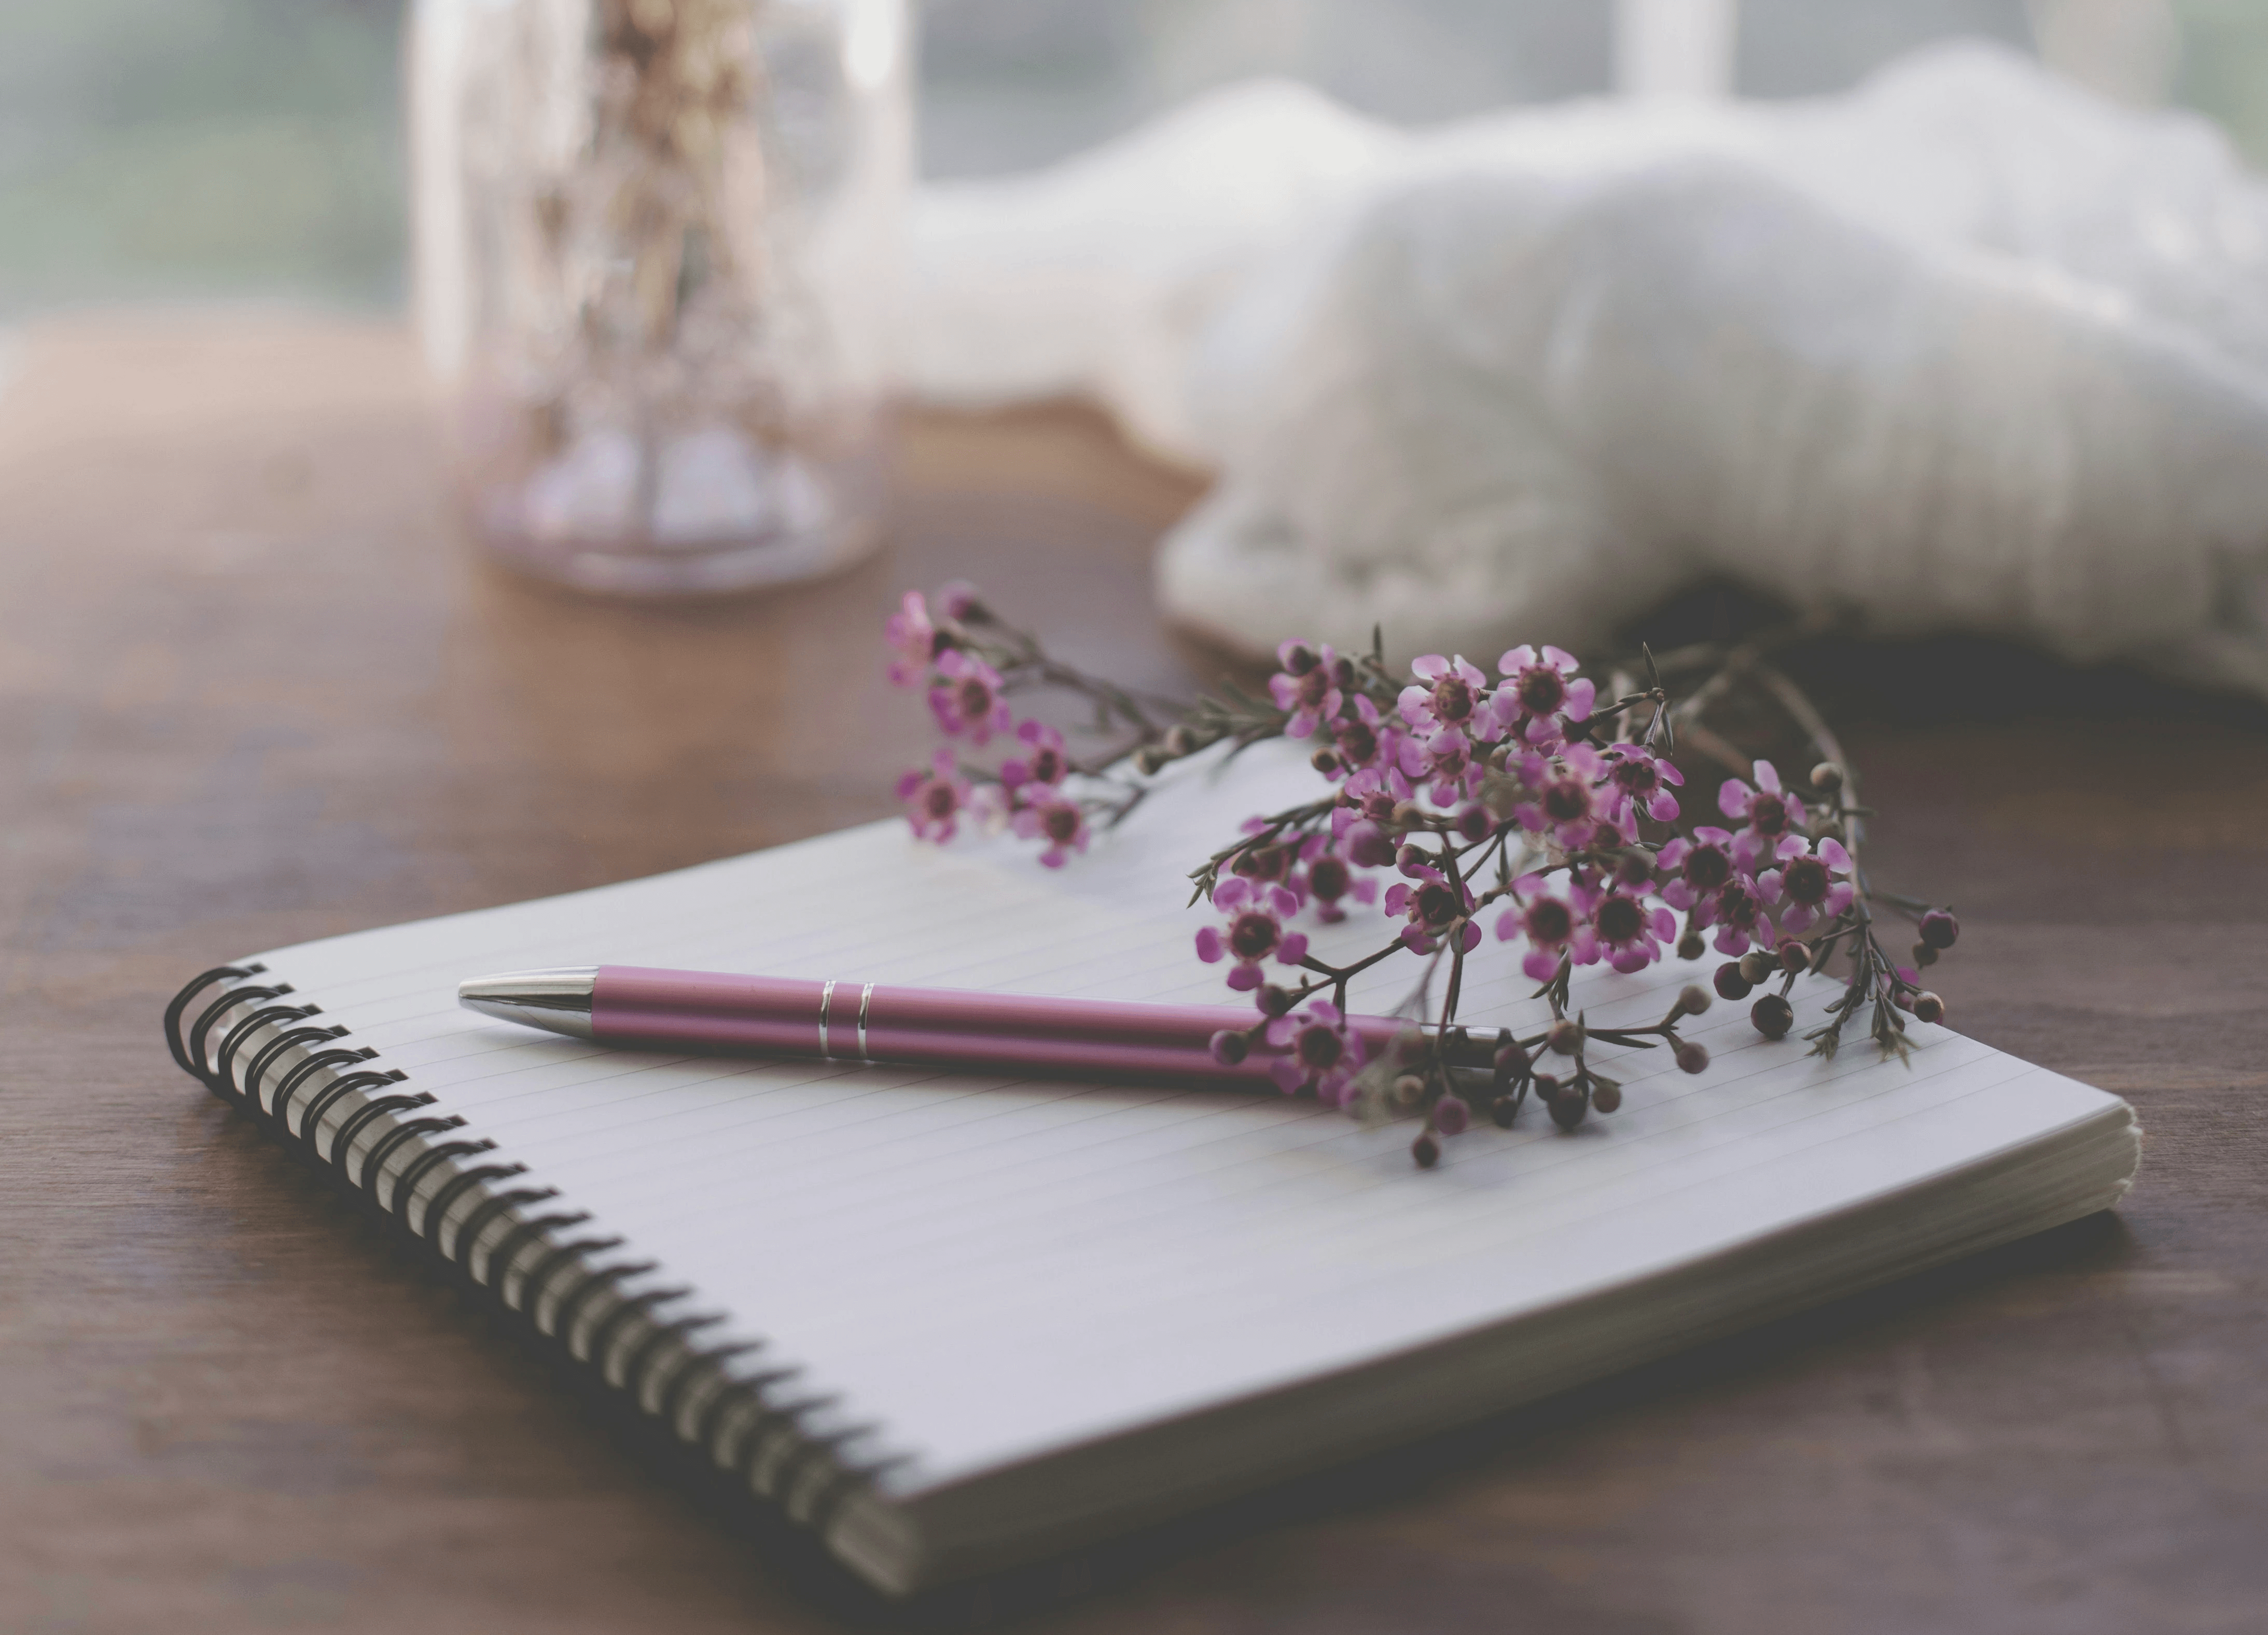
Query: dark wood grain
[[252, 690]]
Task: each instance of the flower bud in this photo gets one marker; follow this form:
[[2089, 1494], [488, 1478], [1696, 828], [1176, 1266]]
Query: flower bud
[[1730, 983], [1426, 1151], [1692, 999], [1927, 1007], [1408, 1089], [1474, 823], [1451, 1115], [1502, 1112], [1795, 957], [1510, 1059], [1772, 1015], [1755, 965], [1547, 1086], [1567, 1111], [1180, 741], [1692, 1057], [1827, 775], [1274, 1001], [1229, 1048], [1940, 929], [1410, 858], [1325, 760], [1690, 946], [1408, 815], [1566, 1037], [1149, 758], [1500, 758], [1608, 1098], [1924, 955]]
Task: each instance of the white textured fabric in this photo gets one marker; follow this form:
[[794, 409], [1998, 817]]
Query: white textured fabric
[[1967, 348]]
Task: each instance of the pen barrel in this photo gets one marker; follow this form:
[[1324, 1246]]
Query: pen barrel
[[855, 1021]]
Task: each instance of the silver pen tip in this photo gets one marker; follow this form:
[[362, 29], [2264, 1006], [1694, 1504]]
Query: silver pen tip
[[557, 1000]]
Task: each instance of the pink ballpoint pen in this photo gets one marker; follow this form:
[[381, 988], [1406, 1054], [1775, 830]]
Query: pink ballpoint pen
[[838, 1020]]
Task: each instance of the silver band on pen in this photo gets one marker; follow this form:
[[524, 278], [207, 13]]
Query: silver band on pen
[[825, 999], [866, 999]]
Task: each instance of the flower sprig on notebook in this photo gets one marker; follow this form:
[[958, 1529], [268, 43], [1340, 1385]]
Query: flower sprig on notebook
[[1530, 805]]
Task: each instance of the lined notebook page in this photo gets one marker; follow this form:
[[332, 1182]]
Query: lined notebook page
[[990, 1267]]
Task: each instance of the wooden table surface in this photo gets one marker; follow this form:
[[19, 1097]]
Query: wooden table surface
[[252, 690]]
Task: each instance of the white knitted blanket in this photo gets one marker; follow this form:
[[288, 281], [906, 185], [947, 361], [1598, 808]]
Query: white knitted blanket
[[1967, 348]]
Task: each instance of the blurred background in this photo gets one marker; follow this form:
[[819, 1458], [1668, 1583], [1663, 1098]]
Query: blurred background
[[202, 149]]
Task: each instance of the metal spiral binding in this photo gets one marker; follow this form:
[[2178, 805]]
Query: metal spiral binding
[[745, 1422]]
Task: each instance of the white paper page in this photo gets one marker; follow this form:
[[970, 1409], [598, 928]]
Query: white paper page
[[989, 1268]]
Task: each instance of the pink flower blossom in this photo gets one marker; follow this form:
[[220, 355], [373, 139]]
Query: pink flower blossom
[[1330, 879], [1769, 811], [1450, 695], [1814, 884], [935, 799], [1701, 866], [1061, 823], [1359, 740], [1307, 686], [1254, 930], [1551, 925], [1450, 766], [1321, 1056], [1043, 761], [968, 702], [1629, 933], [1566, 800], [1432, 906], [1638, 779], [1737, 911], [1539, 691], [913, 634]]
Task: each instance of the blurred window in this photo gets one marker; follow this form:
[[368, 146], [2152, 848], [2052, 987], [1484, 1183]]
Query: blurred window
[[251, 148]]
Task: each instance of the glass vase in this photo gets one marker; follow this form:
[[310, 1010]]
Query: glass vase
[[656, 249]]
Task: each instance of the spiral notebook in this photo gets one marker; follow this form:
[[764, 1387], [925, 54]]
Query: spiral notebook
[[953, 1321]]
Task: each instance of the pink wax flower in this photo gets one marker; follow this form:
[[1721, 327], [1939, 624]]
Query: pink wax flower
[[1042, 760], [1359, 740], [1254, 930], [914, 637], [1450, 697], [1366, 845], [1810, 884], [957, 599], [1306, 687], [1566, 797], [1061, 823], [1701, 866], [1638, 779], [968, 702], [935, 799], [1431, 905], [1539, 690], [1332, 880], [1629, 932], [1737, 911], [1769, 811], [1451, 768], [1321, 1056], [1551, 925]]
